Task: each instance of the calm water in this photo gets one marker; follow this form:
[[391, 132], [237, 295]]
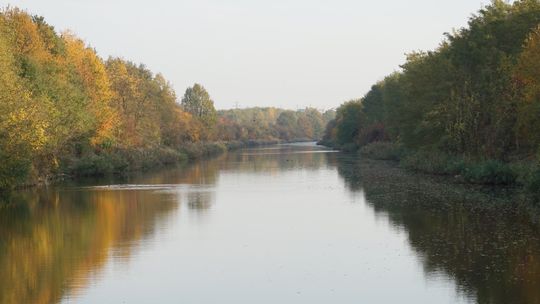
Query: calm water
[[284, 224]]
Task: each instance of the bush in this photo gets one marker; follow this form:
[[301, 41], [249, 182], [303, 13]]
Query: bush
[[121, 161], [14, 170], [216, 148], [530, 178], [97, 165], [455, 165], [382, 150], [234, 145], [431, 162], [198, 150], [533, 184], [490, 172], [92, 165], [257, 143], [350, 147]]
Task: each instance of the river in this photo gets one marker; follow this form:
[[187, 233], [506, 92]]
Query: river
[[282, 224]]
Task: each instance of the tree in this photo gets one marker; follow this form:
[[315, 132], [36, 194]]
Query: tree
[[95, 82], [22, 126], [475, 95], [349, 119], [287, 125], [197, 101], [527, 76]]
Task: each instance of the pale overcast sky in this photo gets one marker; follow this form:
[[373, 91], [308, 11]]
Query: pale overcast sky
[[285, 53]]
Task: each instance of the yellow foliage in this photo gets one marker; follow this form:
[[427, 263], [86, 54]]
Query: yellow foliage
[[21, 124], [33, 264], [59, 101], [26, 38], [95, 81]]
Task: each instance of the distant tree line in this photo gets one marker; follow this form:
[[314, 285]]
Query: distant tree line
[[477, 95], [272, 124], [63, 109]]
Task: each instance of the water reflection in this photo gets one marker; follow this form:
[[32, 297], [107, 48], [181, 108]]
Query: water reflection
[[281, 210], [53, 241], [477, 237], [200, 200]]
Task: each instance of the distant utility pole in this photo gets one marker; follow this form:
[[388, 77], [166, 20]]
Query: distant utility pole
[[236, 105]]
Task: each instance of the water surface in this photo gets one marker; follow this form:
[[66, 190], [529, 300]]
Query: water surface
[[281, 224]]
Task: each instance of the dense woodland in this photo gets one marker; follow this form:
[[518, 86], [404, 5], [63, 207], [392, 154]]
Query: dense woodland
[[65, 110], [470, 108]]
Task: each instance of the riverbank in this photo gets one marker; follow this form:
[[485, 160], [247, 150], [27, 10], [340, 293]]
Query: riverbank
[[122, 161], [388, 185], [523, 175]]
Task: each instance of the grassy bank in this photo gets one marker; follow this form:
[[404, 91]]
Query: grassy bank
[[123, 161], [524, 174]]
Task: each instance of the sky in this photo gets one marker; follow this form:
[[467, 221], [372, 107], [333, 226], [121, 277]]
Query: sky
[[283, 53]]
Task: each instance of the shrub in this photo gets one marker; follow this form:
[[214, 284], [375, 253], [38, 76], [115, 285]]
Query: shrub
[[13, 171], [490, 172], [432, 162], [382, 150], [93, 165], [216, 148], [121, 161], [532, 182], [198, 150], [455, 165], [349, 147], [234, 145]]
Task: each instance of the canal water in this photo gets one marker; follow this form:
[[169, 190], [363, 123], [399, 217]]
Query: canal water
[[281, 224]]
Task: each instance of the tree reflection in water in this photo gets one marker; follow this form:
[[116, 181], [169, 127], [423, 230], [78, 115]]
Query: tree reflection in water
[[54, 242], [478, 237]]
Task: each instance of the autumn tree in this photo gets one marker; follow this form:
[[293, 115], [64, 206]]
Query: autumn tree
[[197, 101], [95, 82], [22, 126]]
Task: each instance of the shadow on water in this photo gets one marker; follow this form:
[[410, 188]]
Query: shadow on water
[[478, 237]]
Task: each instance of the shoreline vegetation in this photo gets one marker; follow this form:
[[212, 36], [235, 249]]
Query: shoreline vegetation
[[387, 182], [67, 112], [469, 109], [122, 162]]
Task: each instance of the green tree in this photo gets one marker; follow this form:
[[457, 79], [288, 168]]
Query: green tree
[[349, 118]]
